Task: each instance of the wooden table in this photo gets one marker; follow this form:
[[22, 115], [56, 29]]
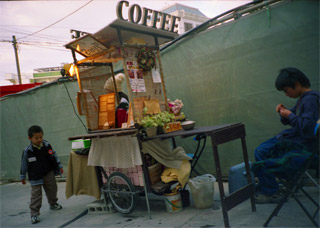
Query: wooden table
[[222, 134]]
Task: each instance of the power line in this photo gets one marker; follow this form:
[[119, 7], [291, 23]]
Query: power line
[[6, 41], [43, 43], [50, 48], [19, 31], [38, 26], [57, 21]]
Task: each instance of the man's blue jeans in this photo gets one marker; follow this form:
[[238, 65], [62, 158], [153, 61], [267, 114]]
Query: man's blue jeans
[[267, 181]]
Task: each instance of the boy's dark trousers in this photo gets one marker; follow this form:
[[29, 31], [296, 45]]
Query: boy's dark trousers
[[50, 187]]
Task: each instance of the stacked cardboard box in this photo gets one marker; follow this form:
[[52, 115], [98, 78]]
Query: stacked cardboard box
[[155, 173]]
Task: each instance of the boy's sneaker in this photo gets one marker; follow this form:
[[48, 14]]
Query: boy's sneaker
[[264, 199], [55, 207], [35, 219]]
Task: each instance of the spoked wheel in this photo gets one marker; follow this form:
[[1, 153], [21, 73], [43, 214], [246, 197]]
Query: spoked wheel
[[122, 193]]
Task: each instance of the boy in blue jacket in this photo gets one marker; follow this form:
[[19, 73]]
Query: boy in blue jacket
[[41, 163], [287, 151]]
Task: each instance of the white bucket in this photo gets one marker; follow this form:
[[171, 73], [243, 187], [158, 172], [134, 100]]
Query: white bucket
[[173, 202]]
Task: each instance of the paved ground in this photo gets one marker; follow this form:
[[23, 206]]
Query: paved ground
[[15, 198]]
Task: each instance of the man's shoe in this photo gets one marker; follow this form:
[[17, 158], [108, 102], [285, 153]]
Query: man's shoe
[[264, 199], [35, 219], [55, 207]]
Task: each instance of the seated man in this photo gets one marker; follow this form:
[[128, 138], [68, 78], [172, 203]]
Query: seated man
[[284, 153]]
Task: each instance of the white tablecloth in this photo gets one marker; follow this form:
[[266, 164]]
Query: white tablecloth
[[115, 151]]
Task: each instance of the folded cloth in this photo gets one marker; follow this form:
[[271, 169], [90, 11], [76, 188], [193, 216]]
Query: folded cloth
[[161, 151], [81, 179], [181, 174]]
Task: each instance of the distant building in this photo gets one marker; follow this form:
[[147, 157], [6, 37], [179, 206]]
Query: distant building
[[12, 79], [39, 75], [47, 74], [190, 17]]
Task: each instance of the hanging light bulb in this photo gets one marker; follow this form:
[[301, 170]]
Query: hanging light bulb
[[68, 70], [72, 70]]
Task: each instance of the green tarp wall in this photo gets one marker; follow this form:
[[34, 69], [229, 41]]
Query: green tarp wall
[[223, 75], [48, 106], [227, 74]]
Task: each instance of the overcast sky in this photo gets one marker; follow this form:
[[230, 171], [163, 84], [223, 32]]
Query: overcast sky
[[45, 48]]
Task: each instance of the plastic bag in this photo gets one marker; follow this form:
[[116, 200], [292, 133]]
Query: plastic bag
[[202, 190]]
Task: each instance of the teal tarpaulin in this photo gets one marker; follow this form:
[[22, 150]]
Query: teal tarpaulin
[[223, 75]]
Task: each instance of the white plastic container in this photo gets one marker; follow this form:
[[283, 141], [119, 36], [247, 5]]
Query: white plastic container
[[202, 190]]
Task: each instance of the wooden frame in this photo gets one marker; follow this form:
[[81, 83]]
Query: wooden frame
[[98, 52]]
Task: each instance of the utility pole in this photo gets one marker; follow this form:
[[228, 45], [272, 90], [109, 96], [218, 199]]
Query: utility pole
[[14, 43]]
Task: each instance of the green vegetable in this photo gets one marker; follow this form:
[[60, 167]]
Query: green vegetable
[[156, 120]]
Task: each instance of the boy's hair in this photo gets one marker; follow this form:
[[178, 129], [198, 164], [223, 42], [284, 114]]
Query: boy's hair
[[34, 129], [288, 78]]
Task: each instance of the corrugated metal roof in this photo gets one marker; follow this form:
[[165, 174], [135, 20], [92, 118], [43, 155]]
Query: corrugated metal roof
[[102, 45]]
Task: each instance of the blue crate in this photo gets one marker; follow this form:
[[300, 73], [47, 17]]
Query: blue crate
[[237, 177]]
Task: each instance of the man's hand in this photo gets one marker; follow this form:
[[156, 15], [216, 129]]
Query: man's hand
[[61, 170], [23, 181], [279, 107], [285, 112]]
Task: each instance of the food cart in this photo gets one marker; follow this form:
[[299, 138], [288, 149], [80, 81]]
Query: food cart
[[135, 48], [119, 146]]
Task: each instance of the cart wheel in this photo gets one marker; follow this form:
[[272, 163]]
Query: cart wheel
[[122, 193]]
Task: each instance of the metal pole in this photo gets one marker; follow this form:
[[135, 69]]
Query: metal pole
[[14, 43]]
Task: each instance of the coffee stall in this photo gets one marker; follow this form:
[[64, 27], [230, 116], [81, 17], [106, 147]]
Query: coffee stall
[[122, 94], [131, 43]]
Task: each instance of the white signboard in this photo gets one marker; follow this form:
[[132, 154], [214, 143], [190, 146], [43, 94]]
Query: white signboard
[[87, 46]]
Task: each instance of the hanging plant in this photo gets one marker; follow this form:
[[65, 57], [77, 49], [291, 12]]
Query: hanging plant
[[146, 59]]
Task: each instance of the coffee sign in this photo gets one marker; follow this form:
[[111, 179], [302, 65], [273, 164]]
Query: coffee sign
[[138, 15]]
